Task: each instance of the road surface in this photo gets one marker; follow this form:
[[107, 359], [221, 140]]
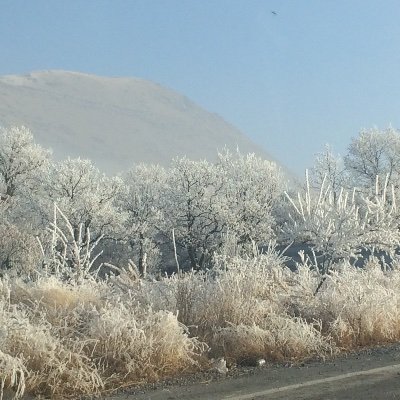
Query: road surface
[[367, 375]]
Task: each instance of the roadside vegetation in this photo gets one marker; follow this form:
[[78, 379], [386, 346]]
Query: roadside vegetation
[[111, 282]]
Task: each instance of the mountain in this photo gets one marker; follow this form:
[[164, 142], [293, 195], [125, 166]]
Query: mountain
[[115, 122]]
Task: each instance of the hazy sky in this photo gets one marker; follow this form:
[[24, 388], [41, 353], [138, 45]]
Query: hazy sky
[[315, 73]]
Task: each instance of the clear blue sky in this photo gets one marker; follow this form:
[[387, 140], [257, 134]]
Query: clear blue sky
[[315, 73]]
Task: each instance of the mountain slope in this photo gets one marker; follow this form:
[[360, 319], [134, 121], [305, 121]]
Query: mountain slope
[[114, 121]]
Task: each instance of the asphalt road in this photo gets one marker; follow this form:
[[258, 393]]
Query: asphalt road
[[366, 384], [366, 375]]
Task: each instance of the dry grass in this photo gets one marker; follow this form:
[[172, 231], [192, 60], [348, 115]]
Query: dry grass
[[358, 306], [256, 308], [64, 339], [140, 345], [279, 338], [12, 375]]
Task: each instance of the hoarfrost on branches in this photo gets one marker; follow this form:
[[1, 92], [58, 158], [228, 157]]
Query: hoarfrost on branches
[[85, 195], [21, 160], [374, 153]]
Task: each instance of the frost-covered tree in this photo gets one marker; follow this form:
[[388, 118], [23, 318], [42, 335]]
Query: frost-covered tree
[[329, 170], [192, 208], [341, 227], [86, 197], [142, 201], [330, 225], [21, 161], [233, 198], [251, 190], [374, 153], [382, 219]]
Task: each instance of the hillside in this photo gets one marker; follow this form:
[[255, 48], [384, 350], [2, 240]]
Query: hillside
[[114, 121]]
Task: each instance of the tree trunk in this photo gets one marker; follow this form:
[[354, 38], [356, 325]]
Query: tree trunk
[[192, 257]]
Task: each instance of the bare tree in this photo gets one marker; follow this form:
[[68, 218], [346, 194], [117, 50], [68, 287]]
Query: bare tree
[[374, 153], [86, 197], [252, 188], [142, 200], [191, 208], [21, 160], [329, 170]]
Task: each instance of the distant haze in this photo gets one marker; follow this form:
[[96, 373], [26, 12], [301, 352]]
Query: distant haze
[[115, 122]]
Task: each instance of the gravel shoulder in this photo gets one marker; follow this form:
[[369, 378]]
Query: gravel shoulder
[[213, 385]]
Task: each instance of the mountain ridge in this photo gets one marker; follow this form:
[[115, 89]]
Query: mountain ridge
[[114, 121]]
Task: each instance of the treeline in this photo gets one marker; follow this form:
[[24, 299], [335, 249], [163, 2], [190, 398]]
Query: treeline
[[179, 217], [148, 214]]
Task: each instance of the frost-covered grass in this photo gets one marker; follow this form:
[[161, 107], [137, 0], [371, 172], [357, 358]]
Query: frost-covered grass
[[358, 306], [246, 309], [64, 339], [61, 340]]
